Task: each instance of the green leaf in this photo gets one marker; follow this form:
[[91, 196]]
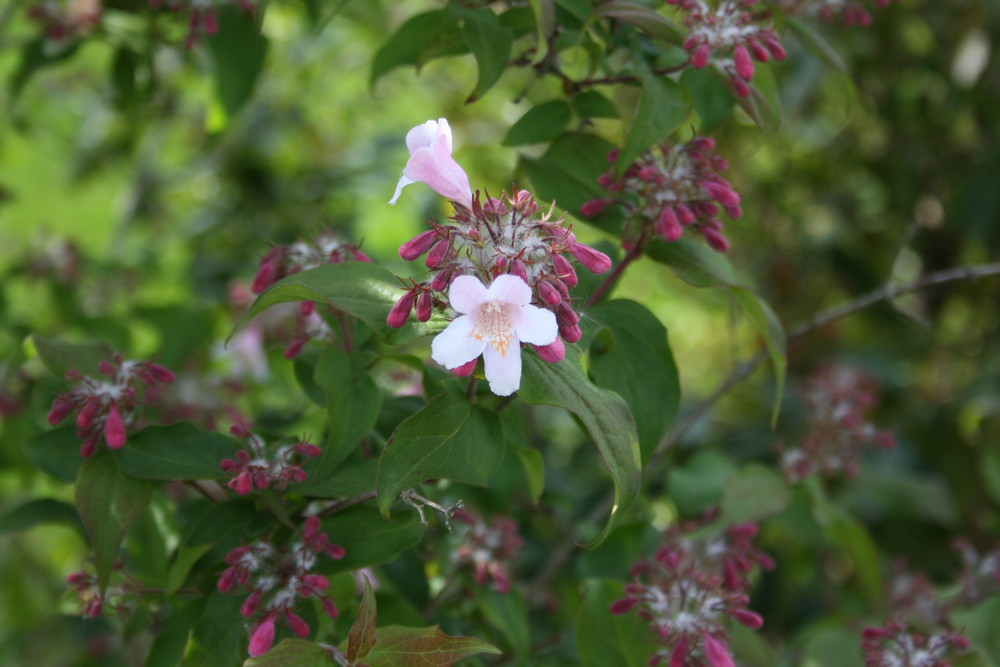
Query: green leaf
[[662, 108], [108, 501], [591, 104], [217, 633], [755, 493], [534, 471], [60, 357], [34, 56], [361, 638], [359, 289], [713, 101], [38, 512], [648, 20], [448, 438], [816, 44], [490, 43], [632, 357], [179, 452], [507, 613], [698, 483], [219, 522], [603, 638], [183, 562], [545, 21], [168, 646], [56, 453], [238, 50], [567, 173], [350, 478], [367, 538], [700, 266], [980, 624], [603, 413], [352, 404], [541, 123], [420, 39], [422, 647], [293, 653]]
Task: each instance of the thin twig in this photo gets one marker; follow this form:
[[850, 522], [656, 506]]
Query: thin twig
[[609, 282], [342, 505]]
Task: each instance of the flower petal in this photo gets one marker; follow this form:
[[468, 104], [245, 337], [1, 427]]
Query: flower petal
[[503, 371], [402, 183], [510, 289], [466, 294], [537, 326], [422, 136], [439, 171], [455, 345]]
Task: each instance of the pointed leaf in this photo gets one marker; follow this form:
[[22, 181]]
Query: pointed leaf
[[603, 413], [540, 123], [712, 98], [352, 404], [368, 539], [178, 452], [816, 44], [238, 51], [662, 108], [567, 173], [534, 471], [108, 501], [648, 20], [361, 639], [448, 438], [56, 453], [359, 289], [754, 494], [293, 653], [60, 357], [603, 638], [420, 39], [591, 104], [217, 637], [40, 512], [422, 647], [490, 43]]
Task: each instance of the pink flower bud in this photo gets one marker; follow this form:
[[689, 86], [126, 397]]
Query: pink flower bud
[[774, 46], [874, 633], [721, 192], [743, 62], [570, 333], [518, 269], [312, 527], [400, 312], [296, 624], [441, 280], [294, 348], [465, 369], [261, 479], [316, 581], [624, 606], [748, 618], [678, 657], [85, 418], [334, 551], [329, 608], [89, 445], [716, 652], [594, 260], [307, 308], [552, 353], [209, 22], [565, 314], [700, 56], [249, 606], [106, 369], [226, 580], [668, 226], [243, 483], [567, 273], [159, 372], [758, 51], [425, 304], [702, 143], [549, 294], [308, 449], [740, 86], [418, 245], [716, 240], [262, 637], [594, 207], [60, 408], [114, 429], [435, 258]]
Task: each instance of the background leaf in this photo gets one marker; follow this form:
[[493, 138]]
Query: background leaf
[[661, 109], [179, 452], [490, 43], [238, 51], [603, 638], [367, 538], [422, 647], [541, 123]]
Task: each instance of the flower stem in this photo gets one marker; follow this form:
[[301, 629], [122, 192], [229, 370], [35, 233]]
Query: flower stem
[[615, 274]]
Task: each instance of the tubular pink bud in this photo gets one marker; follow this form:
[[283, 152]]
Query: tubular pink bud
[[684, 214], [262, 637], [418, 245], [567, 273], [89, 446], [743, 62], [159, 372], [312, 527], [441, 280], [716, 240], [774, 46], [748, 618], [226, 580], [740, 86], [680, 653], [104, 368], [308, 449], [552, 353], [329, 607], [668, 226], [565, 314], [716, 652], [518, 269], [595, 260], [570, 333], [721, 192], [623, 606], [243, 483], [249, 605], [114, 429], [296, 624], [700, 56], [465, 369], [549, 294], [435, 258], [60, 408], [425, 303], [307, 308], [400, 312], [594, 207], [703, 143], [260, 479], [316, 581], [85, 418], [294, 348], [334, 551], [758, 51]]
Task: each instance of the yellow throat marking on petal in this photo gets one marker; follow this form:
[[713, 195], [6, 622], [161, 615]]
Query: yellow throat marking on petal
[[494, 326]]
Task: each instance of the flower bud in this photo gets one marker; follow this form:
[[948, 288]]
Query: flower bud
[[743, 62], [400, 312], [700, 56], [60, 408], [758, 51], [594, 207], [552, 353], [465, 369], [307, 308], [594, 260], [624, 606], [418, 245], [159, 372], [549, 294], [114, 429], [567, 273], [85, 418], [716, 652], [296, 624], [518, 269], [89, 445], [425, 304], [716, 240], [262, 637], [721, 192], [570, 333], [435, 258], [740, 86]]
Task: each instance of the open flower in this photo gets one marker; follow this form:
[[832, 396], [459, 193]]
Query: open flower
[[493, 322], [431, 163]]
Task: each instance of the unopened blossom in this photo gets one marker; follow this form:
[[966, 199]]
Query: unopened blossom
[[850, 12], [896, 645], [980, 576], [431, 163], [65, 20], [201, 14], [283, 261], [118, 598], [260, 466], [489, 547], [493, 322], [729, 35], [276, 578], [105, 406], [839, 399], [669, 189]]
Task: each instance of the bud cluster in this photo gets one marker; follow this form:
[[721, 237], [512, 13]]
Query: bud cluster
[[839, 399], [489, 548], [202, 19], [105, 406], [282, 261], [980, 576], [509, 235], [689, 589], [259, 469], [730, 37], [276, 579], [894, 645], [63, 20], [849, 13], [117, 598], [671, 188]]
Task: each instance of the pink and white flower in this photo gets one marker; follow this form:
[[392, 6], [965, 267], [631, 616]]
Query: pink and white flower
[[431, 163], [493, 322]]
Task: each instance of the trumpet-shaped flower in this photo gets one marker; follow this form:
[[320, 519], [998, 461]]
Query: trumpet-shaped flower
[[431, 163], [493, 322]]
